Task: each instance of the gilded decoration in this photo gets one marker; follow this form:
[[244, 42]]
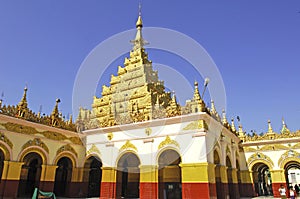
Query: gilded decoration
[[168, 141], [296, 146], [249, 149], [274, 147], [3, 138], [148, 131], [18, 128], [36, 142], [259, 156], [199, 124], [110, 136], [22, 111], [266, 136], [93, 150], [68, 148], [289, 155], [128, 145]]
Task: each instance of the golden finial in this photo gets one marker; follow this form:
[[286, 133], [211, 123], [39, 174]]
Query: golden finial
[[55, 110], [71, 119], [270, 130], [233, 125], [196, 91], [23, 101], [284, 129]]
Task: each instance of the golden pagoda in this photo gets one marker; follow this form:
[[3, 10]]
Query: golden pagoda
[[135, 94]]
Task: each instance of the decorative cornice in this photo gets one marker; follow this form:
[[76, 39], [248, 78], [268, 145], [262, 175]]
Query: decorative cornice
[[128, 145], [68, 148], [274, 147], [168, 141], [36, 142], [199, 124], [18, 128]]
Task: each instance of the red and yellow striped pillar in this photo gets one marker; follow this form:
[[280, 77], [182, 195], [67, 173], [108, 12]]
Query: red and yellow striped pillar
[[108, 183], [148, 181], [47, 178], [278, 179], [10, 178], [246, 185], [198, 180], [223, 192]]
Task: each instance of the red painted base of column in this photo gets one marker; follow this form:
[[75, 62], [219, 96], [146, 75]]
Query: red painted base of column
[[148, 190], [276, 186], [196, 190], [10, 188], [108, 190]]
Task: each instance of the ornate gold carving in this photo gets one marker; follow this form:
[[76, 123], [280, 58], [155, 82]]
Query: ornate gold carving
[[110, 136], [128, 145], [32, 131], [274, 147], [23, 112], [168, 141], [93, 150], [68, 148], [296, 146], [259, 156], [36, 142], [249, 149], [148, 131], [266, 136], [3, 138], [199, 124], [288, 156]]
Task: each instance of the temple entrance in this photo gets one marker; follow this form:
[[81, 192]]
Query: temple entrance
[[30, 174], [292, 174], [63, 176], [219, 189], [262, 179], [169, 175], [128, 176], [93, 175]]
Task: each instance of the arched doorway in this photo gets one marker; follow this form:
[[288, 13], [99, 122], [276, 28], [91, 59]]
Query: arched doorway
[[93, 175], [292, 174], [231, 189], [128, 176], [219, 189], [2, 158], [262, 179], [169, 175], [63, 176], [30, 174]]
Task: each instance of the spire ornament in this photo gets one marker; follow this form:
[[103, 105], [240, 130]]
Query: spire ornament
[[22, 106]]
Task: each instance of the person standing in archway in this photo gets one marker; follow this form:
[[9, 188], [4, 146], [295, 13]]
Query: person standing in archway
[[282, 191]]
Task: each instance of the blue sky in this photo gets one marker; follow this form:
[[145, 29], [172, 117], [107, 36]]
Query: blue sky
[[255, 45]]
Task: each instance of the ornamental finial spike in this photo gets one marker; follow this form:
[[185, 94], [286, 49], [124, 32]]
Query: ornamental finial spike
[[233, 125], [270, 130]]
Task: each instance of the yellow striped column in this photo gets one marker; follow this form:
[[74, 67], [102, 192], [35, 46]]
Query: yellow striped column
[[10, 178], [108, 183], [198, 180], [148, 181], [47, 177], [278, 179], [246, 184]]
